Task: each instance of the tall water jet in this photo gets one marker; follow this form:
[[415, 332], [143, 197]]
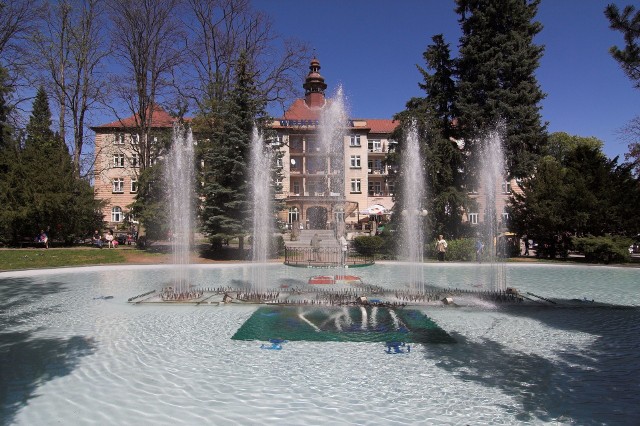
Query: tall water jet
[[260, 184], [180, 178], [413, 194], [333, 122], [492, 173]]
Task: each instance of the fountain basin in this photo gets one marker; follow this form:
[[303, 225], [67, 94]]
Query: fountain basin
[[68, 356]]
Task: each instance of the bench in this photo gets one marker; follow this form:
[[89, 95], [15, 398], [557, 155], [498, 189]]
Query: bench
[[27, 242]]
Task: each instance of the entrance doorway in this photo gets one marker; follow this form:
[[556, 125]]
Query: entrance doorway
[[317, 217]]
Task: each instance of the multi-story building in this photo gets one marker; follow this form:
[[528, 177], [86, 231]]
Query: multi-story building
[[315, 195], [315, 191], [117, 163]]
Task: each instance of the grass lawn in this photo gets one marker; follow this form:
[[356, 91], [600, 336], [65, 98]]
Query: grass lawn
[[51, 258]]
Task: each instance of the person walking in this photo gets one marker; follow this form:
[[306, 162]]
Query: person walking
[[441, 247]]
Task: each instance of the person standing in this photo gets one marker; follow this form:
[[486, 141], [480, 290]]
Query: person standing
[[441, 247], [526, 246], [344, 245], [479, 249]]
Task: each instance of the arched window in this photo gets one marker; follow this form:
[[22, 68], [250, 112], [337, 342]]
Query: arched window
[[116, 214]]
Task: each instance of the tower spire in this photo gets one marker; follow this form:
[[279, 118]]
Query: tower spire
[[314, 85]]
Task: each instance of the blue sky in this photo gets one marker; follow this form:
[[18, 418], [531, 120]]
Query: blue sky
[[371, 48]]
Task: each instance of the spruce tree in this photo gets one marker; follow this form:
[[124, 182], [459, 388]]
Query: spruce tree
[[440, 86], [444, 161], [628, 23], [226, 155], [43, 192], [497, 82]]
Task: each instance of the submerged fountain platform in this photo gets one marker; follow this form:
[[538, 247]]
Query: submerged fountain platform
[[350, 324]]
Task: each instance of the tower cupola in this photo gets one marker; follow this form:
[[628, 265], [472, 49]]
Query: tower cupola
[[314, 86]]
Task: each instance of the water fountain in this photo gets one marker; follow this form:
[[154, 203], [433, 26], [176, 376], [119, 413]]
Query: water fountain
[[262, 211], [179, 180], [413, 193], [332, 125], [492, 173]]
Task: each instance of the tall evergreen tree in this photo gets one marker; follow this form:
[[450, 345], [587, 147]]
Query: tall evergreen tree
[[444, 160], [226, 155], [42, 191], [39, 133], [496, 67], [440, 86], [628, 23]]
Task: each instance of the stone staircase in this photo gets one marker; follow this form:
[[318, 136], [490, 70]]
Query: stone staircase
[[327, 238]]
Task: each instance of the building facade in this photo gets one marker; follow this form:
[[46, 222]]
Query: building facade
[[316, 192], [117, 164]]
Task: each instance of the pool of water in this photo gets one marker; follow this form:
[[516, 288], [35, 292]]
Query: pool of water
[[69, 356]]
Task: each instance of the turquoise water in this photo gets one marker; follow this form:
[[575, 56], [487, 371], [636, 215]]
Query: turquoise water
[[68, 356]]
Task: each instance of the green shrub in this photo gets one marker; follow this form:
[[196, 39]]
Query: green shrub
[[457, 250], [277, 246], [605, 249], [367, 245], [461, 250]]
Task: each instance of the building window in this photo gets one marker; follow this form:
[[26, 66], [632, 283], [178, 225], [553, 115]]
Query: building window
[[118, 185], [279, 162], [472, 189], [354, 140], [116, 214], [355, 161], [375, 188], [278, 185], [135, 160], [375, 145], [390, 187], [135, 139], [294, 214], [375, 166], [296, 187], [505, 217], [355, 185], [506, 187], [134, 185], [473, 218], [118, 160], [119, 139]]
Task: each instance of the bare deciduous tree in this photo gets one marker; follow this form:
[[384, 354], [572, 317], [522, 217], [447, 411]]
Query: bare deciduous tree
[[220, 30], [17, 20], [70, 50], [146, 36]]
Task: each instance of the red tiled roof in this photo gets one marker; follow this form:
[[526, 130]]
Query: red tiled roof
[[381, 125], [160, 119], [300, 111]]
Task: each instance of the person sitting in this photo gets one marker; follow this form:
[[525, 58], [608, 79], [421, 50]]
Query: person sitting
[[97, 239], [43, 238], [109, 239]]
